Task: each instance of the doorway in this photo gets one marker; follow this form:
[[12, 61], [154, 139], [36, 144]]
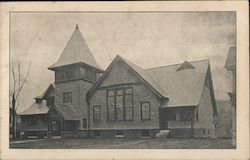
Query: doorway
[[56, 128]]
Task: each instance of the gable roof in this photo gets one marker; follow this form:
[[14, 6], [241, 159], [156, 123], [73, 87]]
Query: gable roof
[[184, 87], [76, 51], [231, 58], [137, 70], [36, 108], [185, 65], [68, 112], [46, 92]]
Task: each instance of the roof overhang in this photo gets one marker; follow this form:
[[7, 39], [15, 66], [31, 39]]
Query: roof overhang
[[55, 68]]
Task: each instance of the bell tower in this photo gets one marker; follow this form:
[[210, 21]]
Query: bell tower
[[75, 71]]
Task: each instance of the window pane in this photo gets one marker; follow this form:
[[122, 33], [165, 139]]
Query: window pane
[[111, 114], [110, 93], [119, 92], [111, 108], [128, 101], [128, 91], [129, 113], [67, 97], [119, 107], [128, 107], [119, 114]]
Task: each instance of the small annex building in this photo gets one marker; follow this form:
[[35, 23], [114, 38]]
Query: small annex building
[[125, 100]]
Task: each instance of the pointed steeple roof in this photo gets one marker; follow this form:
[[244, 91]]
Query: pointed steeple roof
[[76, 51]]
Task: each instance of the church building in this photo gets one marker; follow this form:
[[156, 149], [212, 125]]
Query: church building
[[124, 100]]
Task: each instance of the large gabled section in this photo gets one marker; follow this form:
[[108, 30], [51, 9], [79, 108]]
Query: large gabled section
[[137, 71]]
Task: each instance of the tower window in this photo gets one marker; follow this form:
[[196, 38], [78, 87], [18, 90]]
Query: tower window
[[67, 97], [82, 70]]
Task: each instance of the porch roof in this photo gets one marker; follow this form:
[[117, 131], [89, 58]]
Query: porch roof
[[68, 112], [36, 108]]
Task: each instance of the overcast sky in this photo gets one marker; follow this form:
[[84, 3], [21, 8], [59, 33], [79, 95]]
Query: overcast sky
[[147, 39]]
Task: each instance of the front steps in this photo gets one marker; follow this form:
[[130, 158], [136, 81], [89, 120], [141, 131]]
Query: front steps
[[162, 134]]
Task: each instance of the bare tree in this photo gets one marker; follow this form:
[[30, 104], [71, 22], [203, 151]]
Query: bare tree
[[19, 79]]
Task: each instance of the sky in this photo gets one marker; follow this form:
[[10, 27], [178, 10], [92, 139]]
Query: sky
[[149, 39]]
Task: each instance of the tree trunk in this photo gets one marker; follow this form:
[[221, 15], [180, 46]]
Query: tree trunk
[[13, 118]]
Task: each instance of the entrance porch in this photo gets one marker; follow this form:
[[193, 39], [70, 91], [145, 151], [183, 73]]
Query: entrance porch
[[178, 120]]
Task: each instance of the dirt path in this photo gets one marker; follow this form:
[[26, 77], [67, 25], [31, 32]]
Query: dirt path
[[25, 141]]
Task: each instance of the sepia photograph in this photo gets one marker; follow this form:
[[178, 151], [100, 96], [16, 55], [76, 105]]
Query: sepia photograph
[[116, 80], [123, 80]]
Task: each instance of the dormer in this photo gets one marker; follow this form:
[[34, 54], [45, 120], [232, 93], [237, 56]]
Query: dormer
[[185, 65], [40, 101]]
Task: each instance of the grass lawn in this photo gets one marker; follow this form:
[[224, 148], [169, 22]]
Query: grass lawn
[[124, 144]]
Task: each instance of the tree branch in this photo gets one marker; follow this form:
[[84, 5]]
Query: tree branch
[[25, 79]]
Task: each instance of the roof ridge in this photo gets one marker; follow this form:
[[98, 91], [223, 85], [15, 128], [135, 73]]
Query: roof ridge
[[130, 61], [207, 59], [147, 78]]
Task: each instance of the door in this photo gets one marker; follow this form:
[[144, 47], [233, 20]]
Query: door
[[163, 118], [55, 128]]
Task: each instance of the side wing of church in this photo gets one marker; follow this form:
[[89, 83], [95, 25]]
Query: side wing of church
[[125, 100]]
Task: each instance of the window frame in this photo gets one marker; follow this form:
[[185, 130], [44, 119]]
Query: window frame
[[115, 95], [67, 101], [84, 123], [149, 117], [97, 119]]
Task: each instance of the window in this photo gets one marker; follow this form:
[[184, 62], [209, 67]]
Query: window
[[111, 106], [120, 104], [96, 113], [62, 75], [67, 96], [145, 133], [84, 123], [82, 70], [128, 104], [145, 110], [69, 74]]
